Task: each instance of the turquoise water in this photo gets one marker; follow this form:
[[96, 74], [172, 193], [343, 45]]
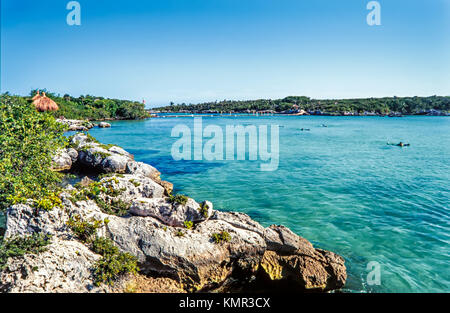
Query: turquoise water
[[341, 187]]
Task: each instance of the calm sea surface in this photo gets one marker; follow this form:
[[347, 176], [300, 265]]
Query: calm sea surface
[[341, 187]]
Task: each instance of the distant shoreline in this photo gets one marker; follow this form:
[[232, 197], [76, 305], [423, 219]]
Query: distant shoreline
[[176, 114], [301, 105]]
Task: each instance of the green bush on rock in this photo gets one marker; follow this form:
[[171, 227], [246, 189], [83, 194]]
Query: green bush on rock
[[20, 246], [113, 262], [84, 230], [178, 199], [49, 202], [204, 210], [188, 224], [28, 140], [106, 203], [221, 237]]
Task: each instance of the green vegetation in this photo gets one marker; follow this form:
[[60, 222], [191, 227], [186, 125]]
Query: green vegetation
[[179, 233], [2, 229], [49, 202], [111, 175], [106, 175], [135, 183], [178, 199], [221, 237], [96, 108], [84, 230], [405, 105], [188, 224], [114, 207], [20, 246], [106, 203], [28, 140], [204, 209], [107, 147], [90, 192], [113, 262], [101, 154]]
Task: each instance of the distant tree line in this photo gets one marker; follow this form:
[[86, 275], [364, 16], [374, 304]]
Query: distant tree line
[[96, 108], [404, 105]]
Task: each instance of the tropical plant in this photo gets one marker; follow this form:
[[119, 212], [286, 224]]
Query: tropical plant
[[20, 246], [28, 140]]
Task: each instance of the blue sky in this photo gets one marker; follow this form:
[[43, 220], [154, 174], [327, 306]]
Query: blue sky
[[202, 50]]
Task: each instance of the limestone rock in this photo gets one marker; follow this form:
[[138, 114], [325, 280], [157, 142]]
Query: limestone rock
[[193, 257], [76, 125], [168, 213], [77, 128], [86, 181], [140, 168], [132, 187], [120, 151], [115, 163], [304, 272], [104, 125], [168, 187], [282, 239], [79, 139], [143, 284], [22, 219], [64, 267], [73, 154], [62, 161]]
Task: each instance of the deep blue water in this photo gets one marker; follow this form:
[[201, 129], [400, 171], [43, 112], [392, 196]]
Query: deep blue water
[[341, 187]]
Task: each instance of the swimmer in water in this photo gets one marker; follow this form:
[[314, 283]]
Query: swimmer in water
[[400, 144]]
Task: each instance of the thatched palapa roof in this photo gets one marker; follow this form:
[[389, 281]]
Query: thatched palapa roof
[[44, 103], [36, 96]]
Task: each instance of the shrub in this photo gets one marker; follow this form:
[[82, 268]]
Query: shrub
[[19, 246], [107, 146], [113, 262], [188, 224], [105, 175], [101, 154], [104, 246], [114, 207], [221, 237], [179, 233], [28, 140], [135, 183], [204, 210], [178, 199], [106, 203], [90, 192], [84, 230], [49, 202]]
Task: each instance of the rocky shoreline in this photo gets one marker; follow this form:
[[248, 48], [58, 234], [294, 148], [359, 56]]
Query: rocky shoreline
[[81, 125], [180, 245]]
